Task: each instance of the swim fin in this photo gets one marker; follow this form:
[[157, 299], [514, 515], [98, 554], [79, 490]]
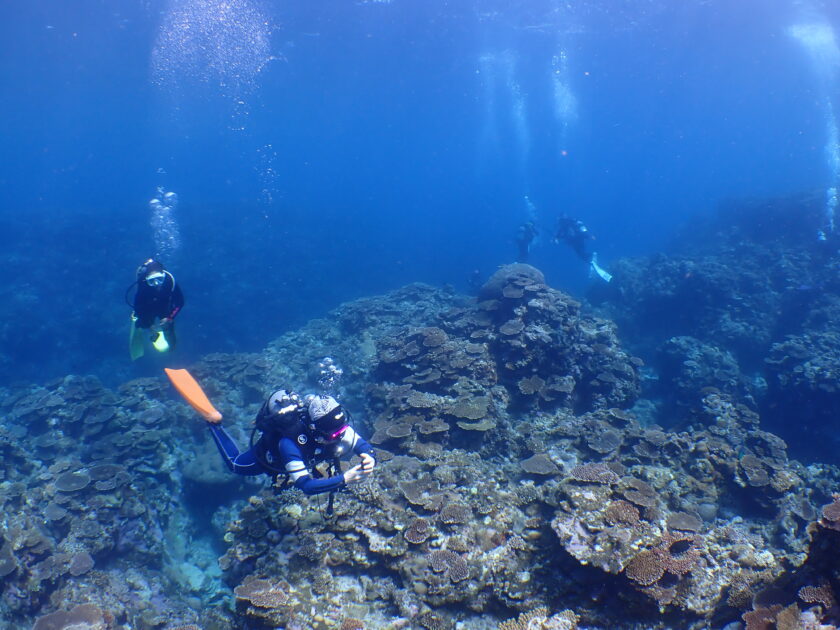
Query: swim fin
[[135, 341], [159, 342], [602, 273], [189, 388]]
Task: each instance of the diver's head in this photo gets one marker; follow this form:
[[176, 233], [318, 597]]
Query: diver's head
[[328, 420], [152, 273]]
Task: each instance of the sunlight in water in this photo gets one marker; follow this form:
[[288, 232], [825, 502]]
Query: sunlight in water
[[518, 111], [565, 102], [820, 42], [497, 73], [487, 76]]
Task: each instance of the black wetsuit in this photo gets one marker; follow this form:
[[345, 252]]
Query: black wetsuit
[[163, 302], [576, 235]]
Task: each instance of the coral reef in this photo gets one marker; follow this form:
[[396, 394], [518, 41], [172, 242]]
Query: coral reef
[[746, 307], [88, 479], [514, 488], [522, 346]]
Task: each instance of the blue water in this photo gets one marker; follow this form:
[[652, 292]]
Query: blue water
[[326, 151]]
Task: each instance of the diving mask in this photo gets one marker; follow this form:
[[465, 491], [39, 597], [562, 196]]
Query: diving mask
[[331, 426], [156, 279]]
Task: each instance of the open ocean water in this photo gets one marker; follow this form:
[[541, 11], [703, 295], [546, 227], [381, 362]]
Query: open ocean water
[[646, 439]]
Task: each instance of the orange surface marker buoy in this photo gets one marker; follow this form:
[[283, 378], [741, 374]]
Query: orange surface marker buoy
[[189, 388]]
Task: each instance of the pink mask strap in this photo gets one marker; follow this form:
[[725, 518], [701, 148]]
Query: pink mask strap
[[338, 433]]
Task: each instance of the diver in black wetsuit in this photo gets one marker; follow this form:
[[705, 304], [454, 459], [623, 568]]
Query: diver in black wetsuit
[[577, 236], [158, 297], [297, 437], [525, 235]]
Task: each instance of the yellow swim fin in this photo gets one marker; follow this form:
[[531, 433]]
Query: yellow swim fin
[[135, 341], [193, 394], [160, 343]]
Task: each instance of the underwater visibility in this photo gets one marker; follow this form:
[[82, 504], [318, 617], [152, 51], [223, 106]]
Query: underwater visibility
[[439, 315]]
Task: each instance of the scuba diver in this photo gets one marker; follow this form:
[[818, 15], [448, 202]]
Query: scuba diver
[[525, 235], [158, 297], [295, 437], [577, 236]]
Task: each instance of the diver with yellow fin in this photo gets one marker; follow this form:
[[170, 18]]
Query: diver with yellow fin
[[156, 303]]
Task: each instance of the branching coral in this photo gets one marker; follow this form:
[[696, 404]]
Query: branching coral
[[831, 514], [541, 619], [262, 593], [82, 617], [822, 595], [418, 532], [594, 473], [621, 513], [675, 554]]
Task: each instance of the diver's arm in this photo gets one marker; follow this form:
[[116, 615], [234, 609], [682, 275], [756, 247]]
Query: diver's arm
[[177, 302], [309, 485], [356, 443], [241, 463], [292, 459]]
